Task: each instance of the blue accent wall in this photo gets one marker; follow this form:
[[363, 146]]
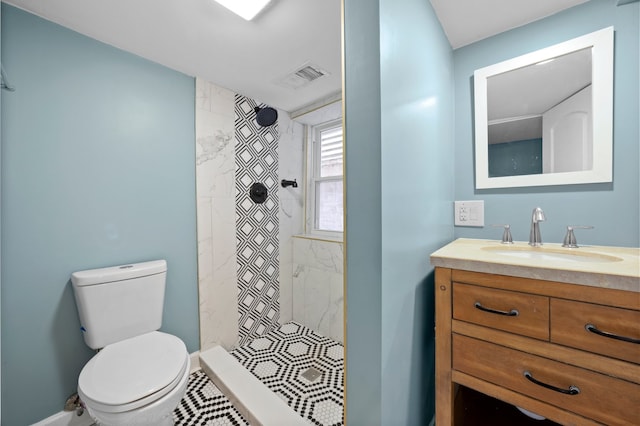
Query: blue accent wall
[[399, 153], [98, 169], [417, 156], [363, 212], [612, 208]]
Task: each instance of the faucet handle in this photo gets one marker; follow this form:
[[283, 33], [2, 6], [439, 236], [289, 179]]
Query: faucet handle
[[570, 237], [506, 235]]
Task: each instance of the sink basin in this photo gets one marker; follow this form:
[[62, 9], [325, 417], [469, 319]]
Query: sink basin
[[550, 254]]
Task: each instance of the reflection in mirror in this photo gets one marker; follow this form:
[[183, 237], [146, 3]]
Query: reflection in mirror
[[557, 93], [545, 118]]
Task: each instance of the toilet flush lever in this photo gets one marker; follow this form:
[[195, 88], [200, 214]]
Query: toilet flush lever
[[506, 235], [570, 237]]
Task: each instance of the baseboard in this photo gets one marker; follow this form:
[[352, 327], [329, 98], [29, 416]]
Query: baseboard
[[195, 361], [66, 418]]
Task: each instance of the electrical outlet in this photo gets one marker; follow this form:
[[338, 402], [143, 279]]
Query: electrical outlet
[[469, 213]]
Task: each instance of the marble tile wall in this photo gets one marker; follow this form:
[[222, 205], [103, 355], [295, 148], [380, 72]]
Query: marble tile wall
[[215, 188], [291, 212], [318, 286]]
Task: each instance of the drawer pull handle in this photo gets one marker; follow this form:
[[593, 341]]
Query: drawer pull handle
[[511, 313], [573, 390], [592, 328]]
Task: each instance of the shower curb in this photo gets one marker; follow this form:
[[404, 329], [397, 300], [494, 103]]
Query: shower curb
[[253, 399]]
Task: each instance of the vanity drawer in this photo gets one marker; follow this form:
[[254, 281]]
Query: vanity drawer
[[602, 398], [511, 311], [569, 320]]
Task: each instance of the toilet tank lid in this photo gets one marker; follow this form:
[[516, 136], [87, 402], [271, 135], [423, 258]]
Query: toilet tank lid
[[118, 273]]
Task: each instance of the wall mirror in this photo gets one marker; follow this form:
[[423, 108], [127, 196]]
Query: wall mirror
[[546, 118]]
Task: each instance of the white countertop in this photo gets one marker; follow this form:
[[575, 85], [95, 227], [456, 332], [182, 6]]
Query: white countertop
[[597, 266]]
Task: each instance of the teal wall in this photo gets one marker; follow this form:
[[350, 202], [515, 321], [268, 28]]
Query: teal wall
[[97, 170], [612, 208], [417, 152], [363, 212], [399, 145]]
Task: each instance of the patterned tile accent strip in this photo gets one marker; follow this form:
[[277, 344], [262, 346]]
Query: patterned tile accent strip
[[279, 360], [257, 227]]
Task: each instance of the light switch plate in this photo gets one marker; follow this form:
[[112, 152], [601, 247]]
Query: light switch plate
[[469, 213]]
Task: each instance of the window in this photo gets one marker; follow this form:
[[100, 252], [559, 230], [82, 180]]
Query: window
[[324, 169]]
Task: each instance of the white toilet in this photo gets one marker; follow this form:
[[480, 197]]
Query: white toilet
[[141, 374]]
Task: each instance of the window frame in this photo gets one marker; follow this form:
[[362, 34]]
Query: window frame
[[312, 165]]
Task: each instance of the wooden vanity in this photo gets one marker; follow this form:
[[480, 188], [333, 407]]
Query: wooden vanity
[[569, 351]]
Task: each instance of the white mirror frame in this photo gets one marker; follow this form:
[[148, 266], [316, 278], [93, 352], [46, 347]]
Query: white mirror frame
[[601, 43]]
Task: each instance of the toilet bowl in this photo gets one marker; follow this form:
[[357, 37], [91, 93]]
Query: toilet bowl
[[137, 381]]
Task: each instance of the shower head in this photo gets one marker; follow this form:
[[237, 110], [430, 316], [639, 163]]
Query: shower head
[[266, 116]]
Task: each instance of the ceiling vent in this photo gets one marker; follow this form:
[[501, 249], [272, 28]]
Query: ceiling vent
[[303, 76], [309, 73]]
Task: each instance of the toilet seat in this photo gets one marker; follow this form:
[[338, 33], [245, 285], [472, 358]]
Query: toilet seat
[[133, 373]]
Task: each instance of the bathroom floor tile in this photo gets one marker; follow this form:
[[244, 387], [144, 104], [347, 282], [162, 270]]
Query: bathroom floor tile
[[205, 405], [282, 360]]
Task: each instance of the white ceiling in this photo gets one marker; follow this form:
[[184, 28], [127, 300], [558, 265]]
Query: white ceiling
[[467, 21], [201, 38]]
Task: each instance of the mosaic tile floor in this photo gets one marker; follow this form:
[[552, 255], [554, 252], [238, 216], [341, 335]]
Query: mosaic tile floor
[[302, 367]]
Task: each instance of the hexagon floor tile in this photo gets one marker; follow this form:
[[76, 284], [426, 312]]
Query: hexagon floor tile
[[278, 359]]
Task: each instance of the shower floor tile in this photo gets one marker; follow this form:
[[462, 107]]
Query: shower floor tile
[[302, 367]]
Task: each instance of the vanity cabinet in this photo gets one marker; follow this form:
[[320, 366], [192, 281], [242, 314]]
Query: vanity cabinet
[[566, 351]]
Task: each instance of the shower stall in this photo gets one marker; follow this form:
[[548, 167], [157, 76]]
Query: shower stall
[[257, 273]]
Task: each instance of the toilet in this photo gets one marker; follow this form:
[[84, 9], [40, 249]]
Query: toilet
[[140, 374]]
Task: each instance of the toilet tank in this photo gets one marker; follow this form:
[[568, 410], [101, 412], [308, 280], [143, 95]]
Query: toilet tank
[[119, 302]]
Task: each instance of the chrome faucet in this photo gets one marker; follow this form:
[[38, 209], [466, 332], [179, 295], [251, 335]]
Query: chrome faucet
[[535, 239]]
